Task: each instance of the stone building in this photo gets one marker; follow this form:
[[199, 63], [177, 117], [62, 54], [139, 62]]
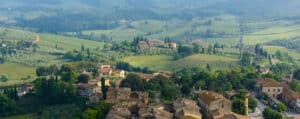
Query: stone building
[[120, 111], [268, 86], [155, 112], [108, 71], [155, 43], [85, 89], [213, 104], [115, 95], [186, 109]]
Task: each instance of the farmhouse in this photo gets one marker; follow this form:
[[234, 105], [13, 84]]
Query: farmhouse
[[213, 104], [107, 71], [84, 89], [155, 43], [268, 86], [186, 109], [115, 95]]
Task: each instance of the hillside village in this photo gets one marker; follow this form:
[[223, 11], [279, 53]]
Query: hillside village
[[149, 59], [137, 93]]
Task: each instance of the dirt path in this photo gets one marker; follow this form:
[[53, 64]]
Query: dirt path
[[37, 38]]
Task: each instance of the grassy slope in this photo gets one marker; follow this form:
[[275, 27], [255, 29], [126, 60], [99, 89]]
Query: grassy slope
[[161, 62], [202, 60], [45, 54], [15, 72], [25, 116], [273, 49], [155, 62], [48, 41]]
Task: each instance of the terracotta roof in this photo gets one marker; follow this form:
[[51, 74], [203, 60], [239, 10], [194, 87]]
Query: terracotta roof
[[288, 93], [105, 70], [116, 71], [267, 82], [146, 76], [209, 96]]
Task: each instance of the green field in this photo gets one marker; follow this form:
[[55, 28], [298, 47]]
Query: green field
[[47, 52], [15, 72], [174, 28], [155, 62], [15, 34], [273, 49], [48, 42], [162, 62], [26, 116], [201, 60]]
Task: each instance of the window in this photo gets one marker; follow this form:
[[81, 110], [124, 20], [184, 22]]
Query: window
[[274, 90], [278, 90], [268, 90]]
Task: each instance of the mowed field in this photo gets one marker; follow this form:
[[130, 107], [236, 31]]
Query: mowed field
[[274, 49], [15, 72], [50, 50], [154, 62], [25, 116], [273, 33], [49, 41], [162, 62], [174, 28]]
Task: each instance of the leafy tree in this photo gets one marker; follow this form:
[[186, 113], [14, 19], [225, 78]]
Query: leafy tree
[[82, 47], [281, 69], [101, 107], [295, 85], [297, 74], [246, 59], [134, 82], [89, 114], [238, 106], [6, 104], [103, 88], [3, 78], [84, 78], [228, 86], [52, 91], [161, 84], [271, 114], [252, 103], [196, 48], [280, 107]]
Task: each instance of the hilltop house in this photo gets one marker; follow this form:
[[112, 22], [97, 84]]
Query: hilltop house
[[268, 86], [155, 43], [212, 104], [186, 109], [215, 106], [115, 95], [92, 89], [107, 71], [84, 89]]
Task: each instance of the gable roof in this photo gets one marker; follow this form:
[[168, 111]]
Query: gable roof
[[267, 82], [105, 70], [208, 96]]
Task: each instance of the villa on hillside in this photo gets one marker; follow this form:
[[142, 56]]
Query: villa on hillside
[[268, 86], [108, 71], [216, 106], [155, 43]]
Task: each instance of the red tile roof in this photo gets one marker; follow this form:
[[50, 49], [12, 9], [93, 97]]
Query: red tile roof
[[267, 82]]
